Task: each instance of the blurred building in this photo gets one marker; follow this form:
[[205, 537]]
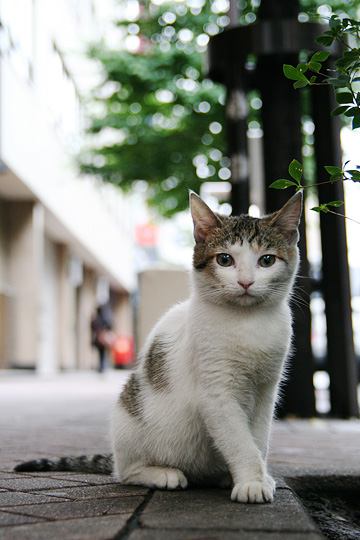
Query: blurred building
[[65, 242]]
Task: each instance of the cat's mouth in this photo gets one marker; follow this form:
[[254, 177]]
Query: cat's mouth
[[247, 298]]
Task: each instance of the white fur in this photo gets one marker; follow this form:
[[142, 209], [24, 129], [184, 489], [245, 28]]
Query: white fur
[[224, 366]]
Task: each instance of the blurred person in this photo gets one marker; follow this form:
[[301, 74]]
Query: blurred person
[[101, 333]]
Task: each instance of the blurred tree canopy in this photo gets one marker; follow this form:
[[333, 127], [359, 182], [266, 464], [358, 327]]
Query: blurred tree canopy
[[156, 117]]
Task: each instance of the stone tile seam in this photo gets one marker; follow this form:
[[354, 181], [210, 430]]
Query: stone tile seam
[[78, 499], [55, 497], [133, 523], [79, 481], [50, 477], [23, 514], [302, 507], [227, 529], [31, 503], [44, 520], [224, 529], [60, 520], [34, 491], [12, 509]]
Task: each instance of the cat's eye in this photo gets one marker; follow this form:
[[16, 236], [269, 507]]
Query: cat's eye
[[267, 260], [224, 259]]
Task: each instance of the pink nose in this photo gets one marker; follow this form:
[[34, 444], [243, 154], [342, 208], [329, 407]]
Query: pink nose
[[245, 284]]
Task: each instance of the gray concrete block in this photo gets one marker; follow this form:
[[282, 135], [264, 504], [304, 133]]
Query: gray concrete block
[[77, 478], [96, 528], [219, 534], [93, 492], [212, 509], [84, 478], [16, 519], [33, 483], [12, 498], [86, 508]]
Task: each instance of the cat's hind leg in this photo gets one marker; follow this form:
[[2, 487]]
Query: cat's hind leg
[[156, 477], [130, 454]]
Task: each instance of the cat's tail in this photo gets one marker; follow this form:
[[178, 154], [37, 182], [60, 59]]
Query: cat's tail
[[98, 464]]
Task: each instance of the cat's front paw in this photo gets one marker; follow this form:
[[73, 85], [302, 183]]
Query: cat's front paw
[[254, 491]]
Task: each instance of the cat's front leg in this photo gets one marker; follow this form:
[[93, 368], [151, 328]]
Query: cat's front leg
[[263, 415], [262, 420], [228, 425]]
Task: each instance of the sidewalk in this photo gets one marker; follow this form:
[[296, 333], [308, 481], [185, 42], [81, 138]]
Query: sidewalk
[[69, 415]]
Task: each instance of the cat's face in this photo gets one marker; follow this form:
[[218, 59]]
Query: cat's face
[[243, 260]]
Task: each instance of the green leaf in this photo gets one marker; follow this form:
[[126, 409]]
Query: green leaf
[[340, 110], [293, 73], [344, 97], [300, 84], [314, 66], [302, 67], [351, 112], [282, 183], [342, 81], [325, 39], [334, 171], [320, 56], [335, 203], [355, 175], [321, 208], [296, 170], [312, 79], [335, 22], [356, 122]]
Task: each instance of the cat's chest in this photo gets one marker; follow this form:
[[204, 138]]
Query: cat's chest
[[253, 345], [253, 334]]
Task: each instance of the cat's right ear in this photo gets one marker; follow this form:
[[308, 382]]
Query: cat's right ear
[[204, 219]]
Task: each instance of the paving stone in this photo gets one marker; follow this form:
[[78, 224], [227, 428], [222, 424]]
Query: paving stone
[[92, 492], [85, 508], [280, 482], [33, 483], [76, 478], [92, 479], [6, 475], [219, 534], [207, 509], [65, 416], [16, 519], [99, 528], [12, 498]]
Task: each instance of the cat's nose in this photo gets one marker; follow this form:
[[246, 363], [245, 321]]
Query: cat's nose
[[245, 284]]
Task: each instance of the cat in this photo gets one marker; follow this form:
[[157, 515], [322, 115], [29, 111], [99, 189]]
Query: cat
[[199, 405]]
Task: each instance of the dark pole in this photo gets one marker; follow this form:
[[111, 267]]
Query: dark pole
[[236, 126], [276, 38], [341, 362], [282, 142]]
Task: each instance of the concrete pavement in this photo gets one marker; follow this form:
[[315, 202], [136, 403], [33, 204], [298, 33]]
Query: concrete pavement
[[69, 415]]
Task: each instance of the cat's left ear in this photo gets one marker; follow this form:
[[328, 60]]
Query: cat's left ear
[[204, 219], [287, 219]]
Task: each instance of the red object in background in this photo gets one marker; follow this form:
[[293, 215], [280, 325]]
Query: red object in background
[[122, 350], [146, 235]]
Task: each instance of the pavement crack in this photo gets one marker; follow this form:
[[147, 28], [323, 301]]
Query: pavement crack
[[134, 521]]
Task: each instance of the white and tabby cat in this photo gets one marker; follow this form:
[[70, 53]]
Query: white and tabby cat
[[198, 407]]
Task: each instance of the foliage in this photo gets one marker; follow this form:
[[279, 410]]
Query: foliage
[[155, 116], [167, 116], [345, 80], [347, 67]]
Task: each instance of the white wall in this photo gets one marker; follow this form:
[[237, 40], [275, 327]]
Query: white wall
[[39, 126]]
